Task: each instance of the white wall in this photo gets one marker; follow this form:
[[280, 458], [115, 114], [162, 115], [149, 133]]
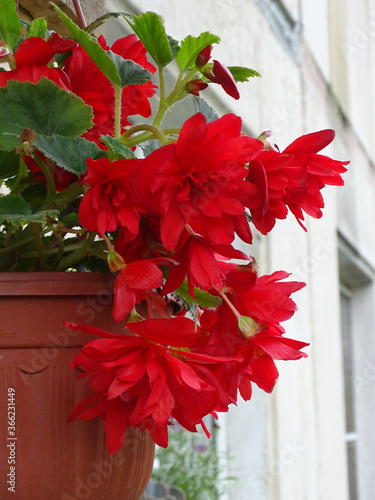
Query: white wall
[[317, 65]]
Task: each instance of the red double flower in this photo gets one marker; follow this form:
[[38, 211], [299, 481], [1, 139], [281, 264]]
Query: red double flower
[[198, 180], [293, 180], [144, 380]]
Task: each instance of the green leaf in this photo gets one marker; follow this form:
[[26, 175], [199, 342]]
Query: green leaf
[[118, 149], [203, 107], [70, 220], [37, 28], [100, 20], [150, 146], [241, 74], [204, 299], [130, 73], [190, 48], [35, 194], [93, 49], [174, 45], [149, 28], [16, 211], [9, 164], [69, 152], [43, 107], [10, 25]]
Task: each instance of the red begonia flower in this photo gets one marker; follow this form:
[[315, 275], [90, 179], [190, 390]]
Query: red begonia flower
[[110, 201], [292, 179], [199, 178], [32, 57], [140, 382], [145, 245], [268, 174], [198, 262], [265, 299], [89, 83], [317, 171], [133, 283], [258, 351], [270, 345]]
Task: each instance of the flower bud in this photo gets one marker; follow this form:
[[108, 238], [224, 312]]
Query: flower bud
[[115, 261], [195, 86], [203, 57], [248, 327], [225, 78]]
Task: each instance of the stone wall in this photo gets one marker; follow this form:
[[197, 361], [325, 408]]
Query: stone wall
[[30, 9]]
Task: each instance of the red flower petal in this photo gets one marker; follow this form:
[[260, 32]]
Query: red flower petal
[[311, 143], [177, 332]]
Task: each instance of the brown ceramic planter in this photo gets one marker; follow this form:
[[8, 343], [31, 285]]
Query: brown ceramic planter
[[46, 457]]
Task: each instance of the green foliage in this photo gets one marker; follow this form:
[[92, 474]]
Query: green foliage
[[190, 462], [190, 48], [241, 74], [117, 149], [10, 25], [69, 152], [43, 107], [174, 45], [119, 71], [203, 107], [16, 211], [130, 73], [150, 30], [9, 164], [93, 49], [38, 27], [204, 299]]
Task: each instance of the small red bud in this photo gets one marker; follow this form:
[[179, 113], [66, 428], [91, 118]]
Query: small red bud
[[226, 80], [203, 57], [195, 86]]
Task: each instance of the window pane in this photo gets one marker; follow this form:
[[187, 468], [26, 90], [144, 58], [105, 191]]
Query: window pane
[[346, 328]]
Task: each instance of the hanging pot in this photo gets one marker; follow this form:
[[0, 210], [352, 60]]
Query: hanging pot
[[43, 456]]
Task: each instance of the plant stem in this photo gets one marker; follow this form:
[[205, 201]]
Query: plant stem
[[137, 139], [76, 256], [163, 106], [53, 251], [68, 195], [151, 128], [231, 306], [13, 246], [60, 251], [179, 92], [81, 18], [118, 93], [39, 246], [48, 174], [170, 131], [22, 174]]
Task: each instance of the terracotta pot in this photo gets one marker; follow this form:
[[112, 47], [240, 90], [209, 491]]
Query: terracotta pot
[[42, 455]]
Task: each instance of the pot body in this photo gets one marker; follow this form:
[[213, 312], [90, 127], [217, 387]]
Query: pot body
[[43, 456]]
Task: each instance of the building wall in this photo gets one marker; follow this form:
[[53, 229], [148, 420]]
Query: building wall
[[317, 65]]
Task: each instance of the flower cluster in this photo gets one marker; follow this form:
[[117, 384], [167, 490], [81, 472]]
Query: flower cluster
[[88, 190]]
